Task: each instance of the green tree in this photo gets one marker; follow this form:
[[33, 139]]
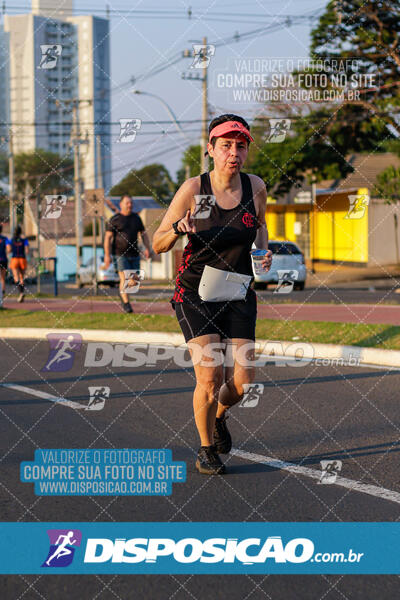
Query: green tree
[[321, 138], [152, 180], [388, 184], [44, 170], [365, 30], [303, 157], [191, 158], [3, 165]]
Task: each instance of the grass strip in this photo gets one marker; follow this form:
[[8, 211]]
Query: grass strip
[[353, 334]]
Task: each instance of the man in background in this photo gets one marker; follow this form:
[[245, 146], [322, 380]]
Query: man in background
[[121, 241]]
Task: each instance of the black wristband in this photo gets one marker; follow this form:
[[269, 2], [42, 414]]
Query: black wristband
[[175, 228]]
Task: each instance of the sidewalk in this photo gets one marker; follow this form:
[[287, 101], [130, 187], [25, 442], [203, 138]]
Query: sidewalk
[[339, 313], [330, 275]]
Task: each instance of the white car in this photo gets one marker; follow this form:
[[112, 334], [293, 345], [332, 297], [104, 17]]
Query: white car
[[86, 273], [285, 256]]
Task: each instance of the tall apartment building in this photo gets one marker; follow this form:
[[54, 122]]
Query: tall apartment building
[[55, 57], [4, 89]]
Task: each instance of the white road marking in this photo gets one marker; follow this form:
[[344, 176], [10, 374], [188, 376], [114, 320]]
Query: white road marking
[[44, 395], [274, 463], [355, 486]]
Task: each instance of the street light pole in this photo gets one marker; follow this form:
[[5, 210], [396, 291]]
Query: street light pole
[[11, 183], [204, 106], [167, 107]]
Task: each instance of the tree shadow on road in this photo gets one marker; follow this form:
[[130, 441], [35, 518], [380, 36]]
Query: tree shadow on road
[[386, 448]]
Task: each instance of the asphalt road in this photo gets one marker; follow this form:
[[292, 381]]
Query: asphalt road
[[306, 414]]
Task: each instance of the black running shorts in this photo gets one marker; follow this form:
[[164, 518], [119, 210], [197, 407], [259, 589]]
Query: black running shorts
[[235, 319]]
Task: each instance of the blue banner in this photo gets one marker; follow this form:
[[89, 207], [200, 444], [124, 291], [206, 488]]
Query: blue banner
[[201, 548], [103, 472]]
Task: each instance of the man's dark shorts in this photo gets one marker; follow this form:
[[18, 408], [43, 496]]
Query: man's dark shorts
[[235, 319], [124, 263]]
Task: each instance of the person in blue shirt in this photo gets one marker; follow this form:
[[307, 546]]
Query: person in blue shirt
[[18, 248], [3, 264]]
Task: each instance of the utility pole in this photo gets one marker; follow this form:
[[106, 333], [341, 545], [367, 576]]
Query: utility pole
[[77, 187], [38, 216], [11, 181], [314, 224], [99, 183], [204, 113], [204, 105], [75, 142]]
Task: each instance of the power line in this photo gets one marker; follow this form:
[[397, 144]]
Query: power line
[[185, 13]]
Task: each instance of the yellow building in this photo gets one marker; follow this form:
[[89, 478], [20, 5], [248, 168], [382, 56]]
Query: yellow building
[[344, 223]]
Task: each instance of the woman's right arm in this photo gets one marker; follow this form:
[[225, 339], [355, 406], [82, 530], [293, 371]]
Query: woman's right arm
[[165, 237]]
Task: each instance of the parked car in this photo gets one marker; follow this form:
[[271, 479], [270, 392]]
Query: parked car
[[86, 273], [286, 256]]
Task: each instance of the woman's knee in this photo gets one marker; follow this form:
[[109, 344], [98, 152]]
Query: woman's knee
[[210, 381]]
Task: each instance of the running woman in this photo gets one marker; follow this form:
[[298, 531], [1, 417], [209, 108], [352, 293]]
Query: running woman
[[3, 264], [221, 238], [18, 248]]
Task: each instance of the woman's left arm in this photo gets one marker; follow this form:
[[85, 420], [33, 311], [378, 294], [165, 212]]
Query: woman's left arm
[[260, 203]]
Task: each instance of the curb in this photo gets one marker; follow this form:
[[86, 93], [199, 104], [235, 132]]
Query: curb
[[346, 355]]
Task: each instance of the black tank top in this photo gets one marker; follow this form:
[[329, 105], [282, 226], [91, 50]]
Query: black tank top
[[223, 240]]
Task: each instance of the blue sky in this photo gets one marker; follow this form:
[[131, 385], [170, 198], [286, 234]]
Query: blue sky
[[139, 41]]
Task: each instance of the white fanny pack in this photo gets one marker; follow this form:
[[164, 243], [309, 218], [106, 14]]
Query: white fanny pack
[[217, 285]]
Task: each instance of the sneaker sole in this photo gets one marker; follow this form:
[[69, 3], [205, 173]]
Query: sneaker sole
[[220, 471]]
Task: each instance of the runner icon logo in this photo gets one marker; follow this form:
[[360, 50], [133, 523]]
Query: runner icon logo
[[204, 204], [54, 206], [358, 206], [252, 393], [286, 279], [62, 351], [278, 130], [128, 130], [50, 54], [98, 397], [202, 55], [330, 470], [132, 280], [63, 543]]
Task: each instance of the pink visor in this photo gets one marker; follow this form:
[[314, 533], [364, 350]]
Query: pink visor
[[230, 127]]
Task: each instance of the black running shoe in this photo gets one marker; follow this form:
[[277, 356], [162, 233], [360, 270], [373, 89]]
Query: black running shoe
[[21, 292], [209, 462], [222, 437], [127, 307]]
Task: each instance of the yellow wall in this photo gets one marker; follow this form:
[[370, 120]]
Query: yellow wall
[[271, 219], [336, 237], [332, 236], [290, 218]]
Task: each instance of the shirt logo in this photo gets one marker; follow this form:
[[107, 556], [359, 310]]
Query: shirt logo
[[204, 203], [248, 219]]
